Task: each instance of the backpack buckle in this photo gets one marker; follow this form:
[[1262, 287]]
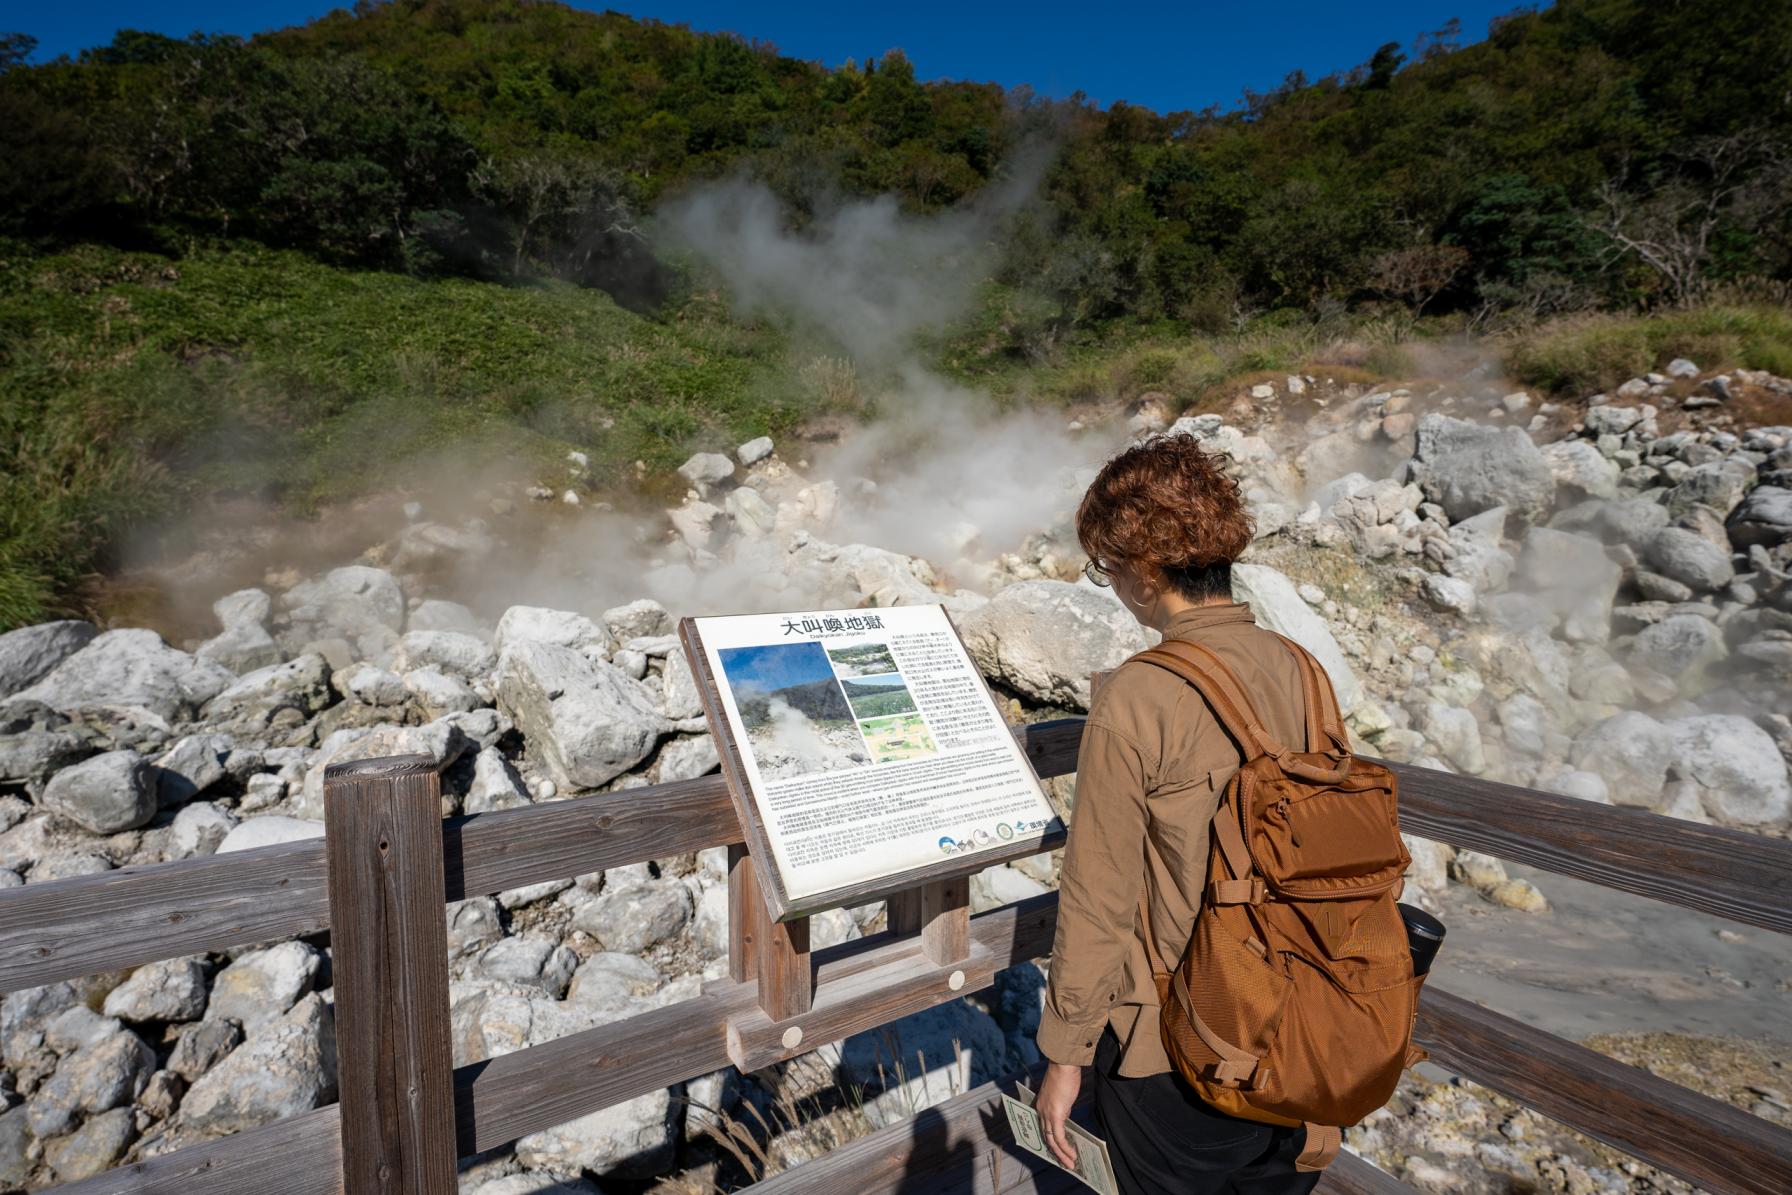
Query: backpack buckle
[[1249, 891]]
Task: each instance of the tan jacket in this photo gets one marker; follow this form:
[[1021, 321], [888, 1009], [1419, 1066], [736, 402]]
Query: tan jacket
[[1152, 766]]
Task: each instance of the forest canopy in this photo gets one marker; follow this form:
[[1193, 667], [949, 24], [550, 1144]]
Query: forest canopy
[[1596, 153]]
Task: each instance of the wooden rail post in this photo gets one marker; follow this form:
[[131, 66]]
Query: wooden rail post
[[940, 912], [776, 953], [389, 947]]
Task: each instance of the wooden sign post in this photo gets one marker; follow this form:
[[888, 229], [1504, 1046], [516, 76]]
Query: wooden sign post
[[925, 787]]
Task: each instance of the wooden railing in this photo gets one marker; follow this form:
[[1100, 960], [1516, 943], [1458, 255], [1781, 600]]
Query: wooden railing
[[388, 862]]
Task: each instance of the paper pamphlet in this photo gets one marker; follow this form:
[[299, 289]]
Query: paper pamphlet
[[1092, 1164]]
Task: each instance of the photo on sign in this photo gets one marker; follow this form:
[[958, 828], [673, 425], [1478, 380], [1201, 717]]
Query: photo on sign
[[796, 717], [862, 659], [894, 739], [878, 696]]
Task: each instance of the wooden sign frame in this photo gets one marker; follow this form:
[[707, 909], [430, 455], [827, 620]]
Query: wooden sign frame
[[780, 905]]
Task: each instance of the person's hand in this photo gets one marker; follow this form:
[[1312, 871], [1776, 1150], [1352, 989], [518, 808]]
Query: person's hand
[[1056, 1094]]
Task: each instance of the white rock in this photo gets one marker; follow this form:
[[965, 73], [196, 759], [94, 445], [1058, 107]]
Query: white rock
[[30, 653], [560, 628], [440, 693], [632, 918], [1044, 638], [456, 652], [495, 784], [1631, 752], [687, 757], [261, 985], [169, 990], [706, 468], [268, 830], [104, 794], [587, 721], [287, 1068], [1277, 606], [372, 686], [131, 668], [754, 450], [532, 959], [1738, 770], [1450, 594], [638, 619], [200, 829]]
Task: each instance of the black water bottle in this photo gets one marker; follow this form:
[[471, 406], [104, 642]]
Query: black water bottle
[[1424, 934]]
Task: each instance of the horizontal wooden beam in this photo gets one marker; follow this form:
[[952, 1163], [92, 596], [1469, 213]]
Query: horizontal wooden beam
[[300, 1155], [1732, 873], [1707, 1142], [136, 915]]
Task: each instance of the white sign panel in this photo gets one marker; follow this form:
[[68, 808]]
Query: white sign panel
[[869, 742]]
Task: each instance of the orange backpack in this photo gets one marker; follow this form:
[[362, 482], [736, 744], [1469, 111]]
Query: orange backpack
[[1295, 1000]]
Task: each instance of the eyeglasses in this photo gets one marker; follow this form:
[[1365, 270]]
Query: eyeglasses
[[1097, 575]]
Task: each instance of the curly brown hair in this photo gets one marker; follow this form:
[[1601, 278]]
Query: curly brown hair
[[1169, 504]]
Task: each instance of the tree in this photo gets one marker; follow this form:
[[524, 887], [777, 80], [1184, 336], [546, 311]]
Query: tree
[[15, 48], [1418, 273], [1741, 179]]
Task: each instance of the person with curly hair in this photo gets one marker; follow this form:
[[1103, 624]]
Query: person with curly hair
[[1162, 524]]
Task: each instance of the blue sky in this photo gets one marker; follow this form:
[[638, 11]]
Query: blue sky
[[776, 667], [1165, 56]]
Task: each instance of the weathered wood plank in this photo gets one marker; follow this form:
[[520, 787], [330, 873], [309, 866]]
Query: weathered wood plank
[[136, 915], [1704, 1141], [1732, 873], [389, 952], [300, 1155]]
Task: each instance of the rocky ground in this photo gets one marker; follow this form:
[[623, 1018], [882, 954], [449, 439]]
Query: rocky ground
[[1587, 597]]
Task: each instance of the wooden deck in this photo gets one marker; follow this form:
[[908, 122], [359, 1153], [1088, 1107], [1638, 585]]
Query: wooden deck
[[382, 864]]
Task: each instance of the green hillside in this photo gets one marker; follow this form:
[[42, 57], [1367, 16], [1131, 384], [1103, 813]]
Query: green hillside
[[294, 267]]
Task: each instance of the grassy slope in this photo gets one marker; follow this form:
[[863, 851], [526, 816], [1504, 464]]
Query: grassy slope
[[131, 384]]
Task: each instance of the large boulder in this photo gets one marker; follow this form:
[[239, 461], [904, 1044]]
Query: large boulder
[[356, 602], [1689, 558], [1716, 485], [1480, 556], [1628, 521], [450, 651], [1580, 468], [442, 740], [1631, 752], [1764, 517], [1739, 773], [105, 794], [131, 668], [28, 653], [301, 685], [558, 628], [189, 767], [287, 1068], [1279, 607], [586, 720], [1682, 648], [1045, 638], [1467, 468], [268, 830]]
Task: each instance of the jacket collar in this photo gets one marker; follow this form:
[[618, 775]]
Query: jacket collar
[[1193, 621]]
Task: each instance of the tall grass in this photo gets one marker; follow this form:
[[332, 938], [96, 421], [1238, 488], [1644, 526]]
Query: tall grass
[[1587, 353], [132, 385]]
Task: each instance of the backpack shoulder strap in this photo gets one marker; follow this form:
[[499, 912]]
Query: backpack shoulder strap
[[1324, 718], [1219, 685]]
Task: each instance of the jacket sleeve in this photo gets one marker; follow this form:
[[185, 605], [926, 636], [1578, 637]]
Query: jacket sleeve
[[1098, 893]]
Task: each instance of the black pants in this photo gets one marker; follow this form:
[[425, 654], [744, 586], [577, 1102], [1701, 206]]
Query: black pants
[[1165, 1140]]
